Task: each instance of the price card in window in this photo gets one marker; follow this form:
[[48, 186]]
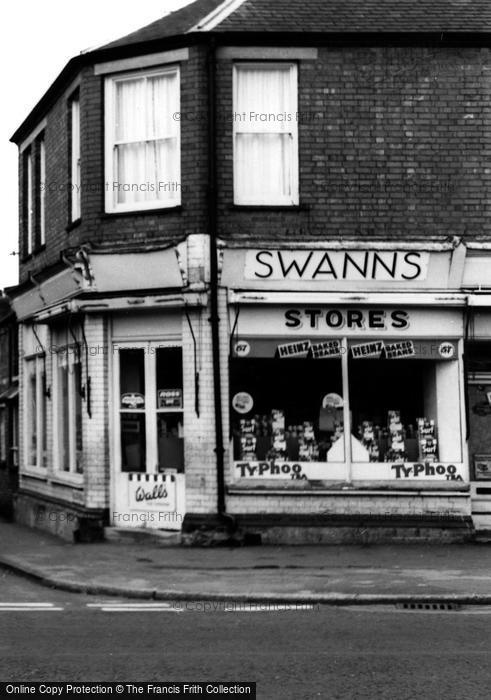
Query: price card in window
[[169, 398]]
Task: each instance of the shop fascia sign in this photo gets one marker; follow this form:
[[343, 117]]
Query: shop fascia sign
[[303, 471], [336, 265]]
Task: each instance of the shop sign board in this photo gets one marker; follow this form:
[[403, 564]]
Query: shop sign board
[[325, 269], [425, 349], [404, 348], [327, 348], [151, 491], [336, 265], [372, 349], [373, 322], [303, 471]]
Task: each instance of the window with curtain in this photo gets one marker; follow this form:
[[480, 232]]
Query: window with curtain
[[41, 224], [28, 201], [143, 140], [265, 134]]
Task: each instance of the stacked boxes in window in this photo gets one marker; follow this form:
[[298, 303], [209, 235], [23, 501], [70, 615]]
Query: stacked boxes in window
[[370, 441], [248, 439], [397, 448], [278, 446], [308, 449], [427, 440]]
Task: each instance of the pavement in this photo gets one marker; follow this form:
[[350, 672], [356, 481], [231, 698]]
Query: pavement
[[328, 574]]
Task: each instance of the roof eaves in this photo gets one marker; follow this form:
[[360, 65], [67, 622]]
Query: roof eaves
[[77, 63]]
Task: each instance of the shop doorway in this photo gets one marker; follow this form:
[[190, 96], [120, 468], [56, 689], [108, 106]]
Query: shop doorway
[[149, 481]]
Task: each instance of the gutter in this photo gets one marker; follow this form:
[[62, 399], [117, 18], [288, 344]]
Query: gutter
[[214, 312]]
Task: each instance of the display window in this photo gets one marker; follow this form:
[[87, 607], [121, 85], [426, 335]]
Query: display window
[[291, 412], [381, 409], [403, 410]]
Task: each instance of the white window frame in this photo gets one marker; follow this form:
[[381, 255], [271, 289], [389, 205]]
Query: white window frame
[[75, 172], [29, 207], [72, 358], [150, 411], [42, 191], [112, 206], [3, 433], [41, 425], [241, 126]]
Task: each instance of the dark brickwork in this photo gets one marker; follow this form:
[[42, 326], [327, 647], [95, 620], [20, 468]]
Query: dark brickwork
[[139, 230], [394, 143]]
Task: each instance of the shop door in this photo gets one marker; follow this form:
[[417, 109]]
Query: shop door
[[149, 436]]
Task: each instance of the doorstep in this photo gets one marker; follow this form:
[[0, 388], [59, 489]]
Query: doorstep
[[142, 535]]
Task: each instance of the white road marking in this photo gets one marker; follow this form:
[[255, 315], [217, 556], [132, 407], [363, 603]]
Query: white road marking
[[34, 605], [29, 607], [133, 607]]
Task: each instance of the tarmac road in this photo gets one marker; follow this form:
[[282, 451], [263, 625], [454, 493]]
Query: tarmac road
[[319, 652]]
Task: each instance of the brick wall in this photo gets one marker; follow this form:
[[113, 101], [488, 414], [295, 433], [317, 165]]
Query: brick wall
[[141, 229], [395, 144]]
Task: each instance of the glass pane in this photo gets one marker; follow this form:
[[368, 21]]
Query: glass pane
[[133, 442], [130, 113], [43, 428], [31, 412], [287, 409], [132, 378], [404, 410], [263, 166], [170, 441], [78, 418], [63, 414], [131, 173], [169, 377], [3, 435], [260, 91]]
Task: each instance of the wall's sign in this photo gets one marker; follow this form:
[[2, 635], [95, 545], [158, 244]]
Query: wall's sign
[[321, 265], [151, 491]]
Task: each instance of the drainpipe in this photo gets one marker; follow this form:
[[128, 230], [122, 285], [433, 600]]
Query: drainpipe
[[214, 314]]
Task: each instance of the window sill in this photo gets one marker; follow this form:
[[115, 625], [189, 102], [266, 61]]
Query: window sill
[[73, 225], [35, 252], [67, 479], [269, 207], [35, 473], [143, 212]]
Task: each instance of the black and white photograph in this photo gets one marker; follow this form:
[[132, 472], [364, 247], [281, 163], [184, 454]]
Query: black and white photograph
[[245, 350]]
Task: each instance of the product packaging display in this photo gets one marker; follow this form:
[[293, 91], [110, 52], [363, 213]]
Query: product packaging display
[[428, 443], [399, 442]]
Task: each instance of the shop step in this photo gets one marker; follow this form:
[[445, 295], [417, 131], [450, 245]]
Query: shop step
[[142, 535]]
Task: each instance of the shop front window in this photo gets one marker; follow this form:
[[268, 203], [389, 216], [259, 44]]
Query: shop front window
[[69, 392], [36, 411], [290, 401], [285, 411], [405, 405]]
